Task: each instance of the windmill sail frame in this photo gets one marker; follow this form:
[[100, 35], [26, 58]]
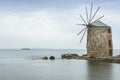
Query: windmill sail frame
[[98, 36]]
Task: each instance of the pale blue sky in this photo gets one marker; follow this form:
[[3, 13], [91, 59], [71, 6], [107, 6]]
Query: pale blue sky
[[51, 23]]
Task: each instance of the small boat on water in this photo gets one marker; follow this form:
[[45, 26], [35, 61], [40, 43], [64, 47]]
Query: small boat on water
[[25, 49]]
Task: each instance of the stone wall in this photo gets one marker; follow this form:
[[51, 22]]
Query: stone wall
[[99, 42]]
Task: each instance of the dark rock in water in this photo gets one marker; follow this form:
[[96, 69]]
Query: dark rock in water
[[84, 55], [52, 58], [118, 56], [45, 58], [70, 56]]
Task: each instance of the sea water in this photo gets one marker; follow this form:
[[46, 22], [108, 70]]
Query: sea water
[[16, 64]]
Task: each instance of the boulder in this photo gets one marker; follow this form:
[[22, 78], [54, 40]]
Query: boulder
[[118, 56], [84, 55], [52, 58], [45, 58], [70, 56]]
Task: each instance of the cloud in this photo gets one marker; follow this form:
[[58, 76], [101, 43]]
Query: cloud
[[38, 29], [50, 27]]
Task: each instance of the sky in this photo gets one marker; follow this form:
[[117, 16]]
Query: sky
[[51, 24]]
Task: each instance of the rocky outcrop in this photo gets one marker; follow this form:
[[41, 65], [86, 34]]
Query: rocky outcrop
[[70, 56], [92, 57], [104, 59], [45, 58], [52, 58], [115, 59], [118, 56]]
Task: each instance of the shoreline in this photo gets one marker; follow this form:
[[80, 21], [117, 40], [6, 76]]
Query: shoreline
[[113, 59], [70, 56], [110, 60]]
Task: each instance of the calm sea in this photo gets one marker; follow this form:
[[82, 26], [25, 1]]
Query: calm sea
[[18, 64]]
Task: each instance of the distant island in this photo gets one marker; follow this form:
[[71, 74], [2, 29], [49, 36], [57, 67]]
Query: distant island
[[25, 49]]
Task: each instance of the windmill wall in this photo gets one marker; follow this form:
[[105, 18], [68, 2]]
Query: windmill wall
[[99, 42]]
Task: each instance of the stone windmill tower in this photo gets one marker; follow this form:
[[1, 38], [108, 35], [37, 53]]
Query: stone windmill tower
[[99, 35]]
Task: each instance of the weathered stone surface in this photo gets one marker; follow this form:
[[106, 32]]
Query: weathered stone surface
[[104, 59], [52, 58], [84, 54], [99, 41], [45, 58], [92, 57], [70, 56], [118, 56]]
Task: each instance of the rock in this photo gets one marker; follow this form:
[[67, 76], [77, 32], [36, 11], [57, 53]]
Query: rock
[[84, 55], [70, 56], [118, 56], [52, 58], [45, 58], [92, 55]]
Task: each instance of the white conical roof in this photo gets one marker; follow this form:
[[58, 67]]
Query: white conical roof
[[99, 24]]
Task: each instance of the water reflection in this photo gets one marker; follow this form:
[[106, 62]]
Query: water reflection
[[99, 70]]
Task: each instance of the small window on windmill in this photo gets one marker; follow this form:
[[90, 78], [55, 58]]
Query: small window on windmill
[[109, 30], [110, 52], [109, 43]]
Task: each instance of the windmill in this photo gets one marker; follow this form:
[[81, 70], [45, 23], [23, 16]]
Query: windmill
[[99, 35]]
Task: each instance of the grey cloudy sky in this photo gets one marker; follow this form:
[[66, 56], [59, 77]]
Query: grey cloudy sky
[[51, 23]]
